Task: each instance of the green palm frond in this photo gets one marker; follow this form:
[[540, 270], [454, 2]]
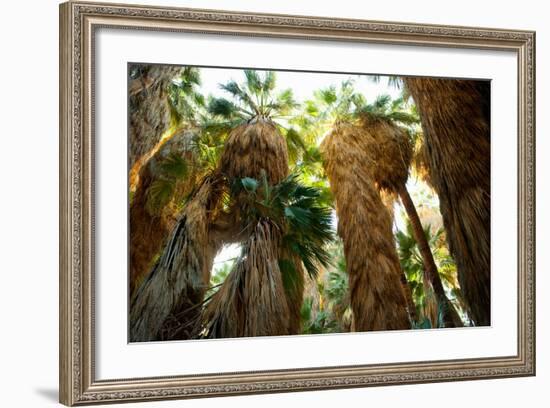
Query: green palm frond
[[403, 117], [328, 106], [359, 101], [338, 286], [199, 100], [184, 98], [311, 108], [413, 267], [381, 103], [310, 223], [209, 154], [159, 194], [346, 104], [233, 88], [396, 111], [191, 75], [283, 105], [298, 211], [398, 103], [269, 82], [329, 311], [174, 166], [215, 128], [254, 97], [327, 96], [249, 184], [296, 145], [254, 83], [225, 108]]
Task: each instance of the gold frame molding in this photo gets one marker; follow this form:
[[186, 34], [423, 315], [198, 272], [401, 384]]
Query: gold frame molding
[[78, 21]]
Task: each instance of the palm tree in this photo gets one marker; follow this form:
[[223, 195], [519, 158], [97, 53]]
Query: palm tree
[[258, 143], [172, 182], [364, 223], [261, 147], [288, 229], [255, 151], [389, 147], [178, 281], [168, 173], [455, 117]]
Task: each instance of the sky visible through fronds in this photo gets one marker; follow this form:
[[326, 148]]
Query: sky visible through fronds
[[303, 84]]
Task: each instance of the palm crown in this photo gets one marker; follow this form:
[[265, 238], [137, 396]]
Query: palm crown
[[333, 105], [253, 98]]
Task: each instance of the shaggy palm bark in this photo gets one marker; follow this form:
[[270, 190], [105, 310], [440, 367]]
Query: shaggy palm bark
[[411, 307], [148, 108], [150, 227], [376, 292], [253, 148], [178, 281], [455, 116], [294, 290], [450, 315], [388, 198], [252, 300], [389, 149]]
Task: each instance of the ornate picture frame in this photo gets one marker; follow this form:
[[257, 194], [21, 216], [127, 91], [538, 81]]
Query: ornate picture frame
[[78, 24]]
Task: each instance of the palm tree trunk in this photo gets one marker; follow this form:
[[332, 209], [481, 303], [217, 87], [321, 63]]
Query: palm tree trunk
[[256, 149], [252, 300], [455, 117], [364, 224], [408, 296], [450, 316], [180, 278], [294, 289], [149, 112], [150, 228], [147, 234]]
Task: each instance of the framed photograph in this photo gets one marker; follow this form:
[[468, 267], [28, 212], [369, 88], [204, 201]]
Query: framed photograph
[[256, 203]]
